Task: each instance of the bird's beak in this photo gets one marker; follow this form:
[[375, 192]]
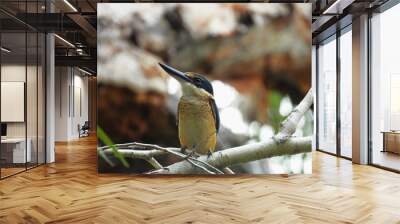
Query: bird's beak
[[178, 75]]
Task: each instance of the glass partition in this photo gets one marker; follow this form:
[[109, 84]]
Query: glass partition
[[14, 151], [33, 73], [22, 77]]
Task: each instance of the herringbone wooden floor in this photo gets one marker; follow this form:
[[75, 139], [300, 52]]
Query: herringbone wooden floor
[[71, 191]]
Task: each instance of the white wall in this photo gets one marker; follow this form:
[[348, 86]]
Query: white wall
[[71, 94], [81, 95], [62, 80]]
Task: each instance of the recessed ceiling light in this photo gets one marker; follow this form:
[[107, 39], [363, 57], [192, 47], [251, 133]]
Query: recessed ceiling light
[[64, 40], [5, 50], [70, 5], [84, 71]]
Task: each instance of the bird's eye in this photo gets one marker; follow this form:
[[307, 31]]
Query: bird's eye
[[197, 80]]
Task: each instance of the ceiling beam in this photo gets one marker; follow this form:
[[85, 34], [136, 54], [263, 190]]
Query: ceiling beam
[[337, 7], [320, 22], [78, 61], [83, 23], [49, 22]]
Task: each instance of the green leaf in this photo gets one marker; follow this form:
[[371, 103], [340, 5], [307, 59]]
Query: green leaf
[[275, 118], [107, 141]]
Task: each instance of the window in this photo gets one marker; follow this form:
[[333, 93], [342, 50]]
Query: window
[[385, 89], [346, 93], [327, 95]]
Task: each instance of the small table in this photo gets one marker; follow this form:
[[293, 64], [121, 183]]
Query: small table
[[391, 141]]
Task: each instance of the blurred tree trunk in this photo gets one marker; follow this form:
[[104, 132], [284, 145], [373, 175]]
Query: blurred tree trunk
[[279, 52]]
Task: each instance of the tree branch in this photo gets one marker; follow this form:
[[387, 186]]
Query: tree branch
[[148, 151], [289, 125], [280, 144], [243, 154], [136, 150]]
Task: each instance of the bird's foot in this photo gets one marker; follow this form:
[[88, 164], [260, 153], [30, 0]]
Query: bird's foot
[[190, 155], [209, 154], [183, 150]]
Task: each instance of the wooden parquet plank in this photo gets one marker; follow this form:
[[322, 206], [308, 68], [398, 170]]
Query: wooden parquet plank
[[71, 191]]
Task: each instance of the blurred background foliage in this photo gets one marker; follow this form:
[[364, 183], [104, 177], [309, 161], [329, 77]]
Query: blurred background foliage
[[258, 57]]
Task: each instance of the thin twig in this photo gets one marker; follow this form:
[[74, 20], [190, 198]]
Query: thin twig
[[154, 163], [135, 144], [199, 166], [162, 169], [228, 170], [104, 156]]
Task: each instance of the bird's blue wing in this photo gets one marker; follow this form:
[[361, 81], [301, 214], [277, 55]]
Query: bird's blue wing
[[215, 113]]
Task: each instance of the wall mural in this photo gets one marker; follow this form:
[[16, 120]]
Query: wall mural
[[212, 88]]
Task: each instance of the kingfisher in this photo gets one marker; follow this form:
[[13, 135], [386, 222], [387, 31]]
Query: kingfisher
[[198, 117]]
